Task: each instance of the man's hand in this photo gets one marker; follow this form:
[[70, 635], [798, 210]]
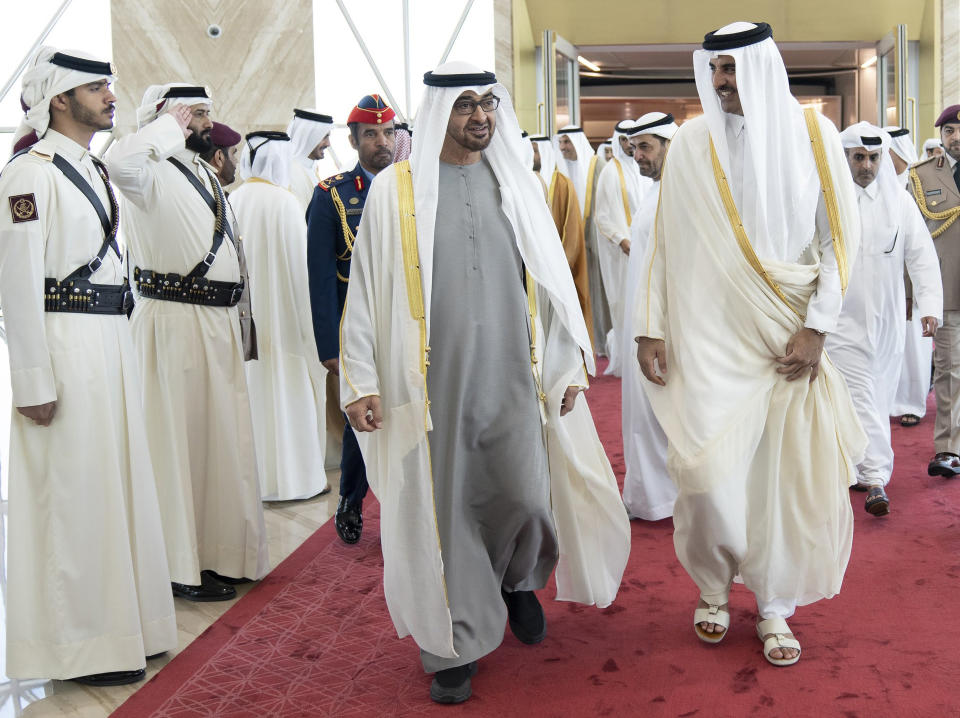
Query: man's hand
[[41, 414], [182, 114], [332, 365], [909, 308], [569, 399], [652, 354], [365, 414], [625, 246], [930, 326], [804, 351]]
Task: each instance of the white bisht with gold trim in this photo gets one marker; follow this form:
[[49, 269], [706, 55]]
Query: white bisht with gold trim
[[725, 314], [384, 350]]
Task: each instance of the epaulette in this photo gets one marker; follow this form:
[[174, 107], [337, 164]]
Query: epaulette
[[329, 182], [41, 155], [923, 162]]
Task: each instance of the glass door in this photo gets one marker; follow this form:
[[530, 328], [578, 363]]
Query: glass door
[[560, 90], [892, 52]]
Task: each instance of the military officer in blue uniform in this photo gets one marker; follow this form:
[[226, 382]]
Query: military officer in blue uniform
[[333, 220]]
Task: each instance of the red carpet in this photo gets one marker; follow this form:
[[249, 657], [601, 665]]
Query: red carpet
[[314, 638]]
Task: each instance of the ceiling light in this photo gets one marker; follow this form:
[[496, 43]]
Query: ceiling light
[[869, 63], [587, 64]]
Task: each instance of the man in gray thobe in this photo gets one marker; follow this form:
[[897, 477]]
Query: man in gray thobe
[[502, 370]]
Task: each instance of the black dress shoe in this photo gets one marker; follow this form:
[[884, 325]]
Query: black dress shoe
[[452, 685], [227, 579], [944, 464], [113, 678], [527, 621], [348, 521], [210, 589]]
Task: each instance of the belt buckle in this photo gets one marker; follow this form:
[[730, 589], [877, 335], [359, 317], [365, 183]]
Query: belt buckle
[[209, 259], [94, 264]]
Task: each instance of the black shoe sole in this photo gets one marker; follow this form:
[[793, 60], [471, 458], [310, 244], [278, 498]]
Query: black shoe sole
[[203, 599], [941, 471], [117, 678], [518, 632]]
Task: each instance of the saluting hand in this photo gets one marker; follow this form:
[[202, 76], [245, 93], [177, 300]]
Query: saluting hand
[[365, 414], [181, 113], [40, 414]]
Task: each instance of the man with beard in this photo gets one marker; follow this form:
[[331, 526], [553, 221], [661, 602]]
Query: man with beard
[[648, 490], [562, 200], [578, 162], [88, 578], [193, 330], [309, 133], [332, 223], [755, 235], [867, 346], [935, 184], [222, 155], [461, 292]]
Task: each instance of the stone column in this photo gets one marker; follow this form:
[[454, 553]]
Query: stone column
[[950, 44], [255, 56]]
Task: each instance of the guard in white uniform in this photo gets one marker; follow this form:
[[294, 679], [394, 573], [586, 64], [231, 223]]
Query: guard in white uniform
[[88, 576], [192, 328], [867, 346]]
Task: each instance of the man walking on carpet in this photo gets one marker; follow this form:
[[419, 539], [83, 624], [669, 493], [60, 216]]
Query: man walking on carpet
[[763, 436], [458, 269]]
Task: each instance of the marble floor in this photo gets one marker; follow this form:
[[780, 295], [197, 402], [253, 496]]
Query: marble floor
[[289, 523]]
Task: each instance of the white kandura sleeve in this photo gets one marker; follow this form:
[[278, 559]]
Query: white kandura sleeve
[[131, 162]]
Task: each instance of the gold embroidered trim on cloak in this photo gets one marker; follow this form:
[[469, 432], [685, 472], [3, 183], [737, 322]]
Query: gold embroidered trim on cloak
[[739, 232], [623, 192], [411, 269], [829, 196], [589, 193]]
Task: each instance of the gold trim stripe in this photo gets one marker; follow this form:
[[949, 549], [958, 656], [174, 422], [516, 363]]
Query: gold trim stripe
[[829, 196], [739, 232], [623, 192], [589, 192]]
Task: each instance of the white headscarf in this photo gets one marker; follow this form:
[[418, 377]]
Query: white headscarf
[[521, 196], [576, 169], [637, 184], [782, 223], [548, 160], [931, 144], [266, 155], [903, 145], [887, 181], [43, 80], [155, 104], [307, 130], [602, 149], [661, 129]]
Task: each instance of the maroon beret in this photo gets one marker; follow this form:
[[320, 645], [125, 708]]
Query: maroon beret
[[28, 140], [951, 115], [223, 136]]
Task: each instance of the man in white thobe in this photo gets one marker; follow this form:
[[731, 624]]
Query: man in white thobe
[[577, 161], [88, 584], [287, 382], [648, 490], [309, 133], [932, 147], [867, 346], [189, 329], [460, 290], [910, 402], [746, 271], [620, 189]]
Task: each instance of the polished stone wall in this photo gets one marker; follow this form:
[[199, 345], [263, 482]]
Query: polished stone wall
[[258, 68]]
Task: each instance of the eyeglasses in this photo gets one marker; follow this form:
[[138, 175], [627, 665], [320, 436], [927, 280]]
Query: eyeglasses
[[468, 107]]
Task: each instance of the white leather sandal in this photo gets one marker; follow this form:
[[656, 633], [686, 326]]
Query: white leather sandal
[[777, 630], [712, 614]]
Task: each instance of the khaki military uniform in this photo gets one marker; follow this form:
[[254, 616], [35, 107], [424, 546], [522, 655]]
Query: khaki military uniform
[[935, 191]]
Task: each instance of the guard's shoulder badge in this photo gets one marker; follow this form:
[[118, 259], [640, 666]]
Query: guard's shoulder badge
[[324, 185], [23, 208], [41, 155], [331, 182], [922, 162]]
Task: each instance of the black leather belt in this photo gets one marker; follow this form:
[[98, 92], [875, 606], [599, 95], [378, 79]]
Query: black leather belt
[[186, 289], [84, 297]]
